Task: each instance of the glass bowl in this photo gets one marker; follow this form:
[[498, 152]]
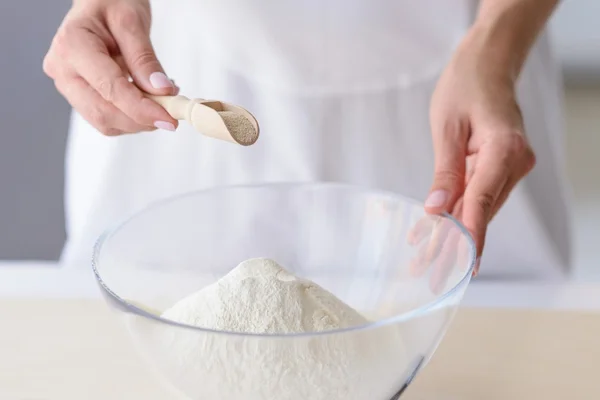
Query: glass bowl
[[377, 251]]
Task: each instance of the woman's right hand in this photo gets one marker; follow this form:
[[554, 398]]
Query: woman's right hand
[[98, 47]]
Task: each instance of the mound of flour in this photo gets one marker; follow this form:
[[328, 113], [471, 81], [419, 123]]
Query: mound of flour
[[261, 297]]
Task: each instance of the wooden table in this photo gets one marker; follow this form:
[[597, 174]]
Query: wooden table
[[515, 354], [63, 349]]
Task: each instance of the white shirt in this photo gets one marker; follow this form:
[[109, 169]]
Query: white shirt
[[341, 90]]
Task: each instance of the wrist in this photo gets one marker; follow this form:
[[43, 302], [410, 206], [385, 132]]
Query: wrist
[[505, 30], [496, 49], [488, 57]]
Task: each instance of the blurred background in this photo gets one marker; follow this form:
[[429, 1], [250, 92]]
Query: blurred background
[[35, 119]]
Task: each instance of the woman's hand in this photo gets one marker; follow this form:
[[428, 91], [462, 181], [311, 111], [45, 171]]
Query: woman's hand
[[481, 151], [100, 45]]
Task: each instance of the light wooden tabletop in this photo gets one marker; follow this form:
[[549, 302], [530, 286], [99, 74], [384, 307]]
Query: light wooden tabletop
[[75, 349], [515, 355]]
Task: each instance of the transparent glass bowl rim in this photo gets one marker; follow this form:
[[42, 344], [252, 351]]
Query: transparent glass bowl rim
[[396, 319]]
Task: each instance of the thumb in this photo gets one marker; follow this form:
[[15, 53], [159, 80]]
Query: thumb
[[450, 151], [131, 31]]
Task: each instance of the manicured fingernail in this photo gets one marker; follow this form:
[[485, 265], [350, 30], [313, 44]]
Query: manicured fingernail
[[164, 125], [158, 80], [437, 198]]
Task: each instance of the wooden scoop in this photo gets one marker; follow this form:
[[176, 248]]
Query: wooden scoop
[[213, 118]]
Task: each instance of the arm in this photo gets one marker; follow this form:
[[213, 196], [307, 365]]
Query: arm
[[505, 30], [475, 115]]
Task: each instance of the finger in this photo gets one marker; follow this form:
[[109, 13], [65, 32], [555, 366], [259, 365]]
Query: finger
[[482, 192], [438, 237], [101, 114], [438, 252], [471, 163], [449, 250], [417, 265], [463, 248], [52, 68], [131, 30], [504, 194], [450, 149], [441, 230], [524, 166], [430, 249], [121, 63], [420, 230], [92, 62], [177, 88], [445, 263], [463, 254]]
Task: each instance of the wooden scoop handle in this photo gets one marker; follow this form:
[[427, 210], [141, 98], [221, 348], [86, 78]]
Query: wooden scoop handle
[[179, 107]]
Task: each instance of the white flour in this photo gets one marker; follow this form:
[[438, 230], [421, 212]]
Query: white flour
[[259, 296]]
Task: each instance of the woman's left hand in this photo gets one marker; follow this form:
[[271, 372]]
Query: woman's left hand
[[481, 151]]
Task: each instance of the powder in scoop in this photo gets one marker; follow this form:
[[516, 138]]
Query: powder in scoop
[[240, 127]]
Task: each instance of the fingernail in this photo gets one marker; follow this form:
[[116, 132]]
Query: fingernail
[[158, 80], [436, 199], [164, 125]]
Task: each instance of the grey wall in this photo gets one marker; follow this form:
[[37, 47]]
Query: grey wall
[[33, 127], [33, 117]]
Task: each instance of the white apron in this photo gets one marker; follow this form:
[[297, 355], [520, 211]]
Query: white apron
[[341, 89]]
